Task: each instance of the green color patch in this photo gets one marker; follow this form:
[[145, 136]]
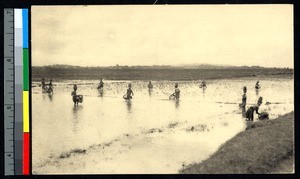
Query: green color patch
[[25, 69]]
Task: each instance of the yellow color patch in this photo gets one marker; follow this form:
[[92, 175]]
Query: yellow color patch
[[25, 111]]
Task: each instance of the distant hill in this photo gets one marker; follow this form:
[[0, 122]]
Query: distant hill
[[182, 66]]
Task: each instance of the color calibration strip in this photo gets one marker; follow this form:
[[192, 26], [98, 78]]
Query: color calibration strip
[[16, 87], [26, 136], [21, 93], [18, 54]]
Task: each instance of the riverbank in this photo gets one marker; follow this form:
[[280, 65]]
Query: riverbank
[[264, 147], [171, 74]]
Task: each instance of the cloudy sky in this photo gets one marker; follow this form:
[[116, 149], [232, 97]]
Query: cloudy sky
[[163, 35]]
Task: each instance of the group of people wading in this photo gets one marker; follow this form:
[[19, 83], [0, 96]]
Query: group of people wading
[[249, 114], [47, 88]]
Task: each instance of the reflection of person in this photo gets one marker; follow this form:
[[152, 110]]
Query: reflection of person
[[250, 111], [177, 104], [176, 94], [150, 86], [128, 106], [244, 112], [50, 96], [101, 84], [129, 93]]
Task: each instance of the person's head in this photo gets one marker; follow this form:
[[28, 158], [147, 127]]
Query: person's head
[[75, 87], [129, 85], [43, 79], [149, 81], [257, 82], [50, 80], [101, 79], [245, 89], [176, 85]]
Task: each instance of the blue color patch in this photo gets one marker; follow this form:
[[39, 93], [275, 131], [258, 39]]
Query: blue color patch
[[25, 27]]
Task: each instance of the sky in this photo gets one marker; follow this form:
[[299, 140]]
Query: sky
[[163, 35]]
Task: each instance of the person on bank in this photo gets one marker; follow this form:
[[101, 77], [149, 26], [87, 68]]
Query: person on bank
[[250, 111], [129, 93], [176, 94]]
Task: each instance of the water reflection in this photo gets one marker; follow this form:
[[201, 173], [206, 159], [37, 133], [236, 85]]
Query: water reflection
[[76, 116], [44, 96], [257, 92], [100, 92], [203, 92], [150, 91], [128, 102], [177, 104], [244, 111], [50, 95], [82, 128]]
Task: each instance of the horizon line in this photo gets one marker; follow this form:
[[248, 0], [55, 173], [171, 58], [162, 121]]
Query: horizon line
[[179, 65]]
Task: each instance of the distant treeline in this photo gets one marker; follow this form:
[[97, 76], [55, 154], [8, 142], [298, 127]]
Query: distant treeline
[[151, 73]]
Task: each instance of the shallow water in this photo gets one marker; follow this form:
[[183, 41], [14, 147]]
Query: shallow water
[[149, 134]]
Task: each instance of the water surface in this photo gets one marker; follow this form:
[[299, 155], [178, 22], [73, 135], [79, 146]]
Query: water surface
[[149, 134]]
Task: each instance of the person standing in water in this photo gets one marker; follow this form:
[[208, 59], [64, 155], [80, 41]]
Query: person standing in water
[[74, 95], [50, 89], [43, 83], [129, 93], [250, 111], [244, 97], [244, 102], [100, 87], [203, 85], [257, 86], [76, 98], [150, 86], [101, 84], [176, 94]]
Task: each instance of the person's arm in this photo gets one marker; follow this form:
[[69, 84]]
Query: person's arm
[[132, 93]]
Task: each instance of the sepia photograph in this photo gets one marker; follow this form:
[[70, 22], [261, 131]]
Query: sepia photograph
[[162, 89]]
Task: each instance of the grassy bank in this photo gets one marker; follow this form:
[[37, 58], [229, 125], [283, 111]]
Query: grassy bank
[[260, 149], [173, 74]]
